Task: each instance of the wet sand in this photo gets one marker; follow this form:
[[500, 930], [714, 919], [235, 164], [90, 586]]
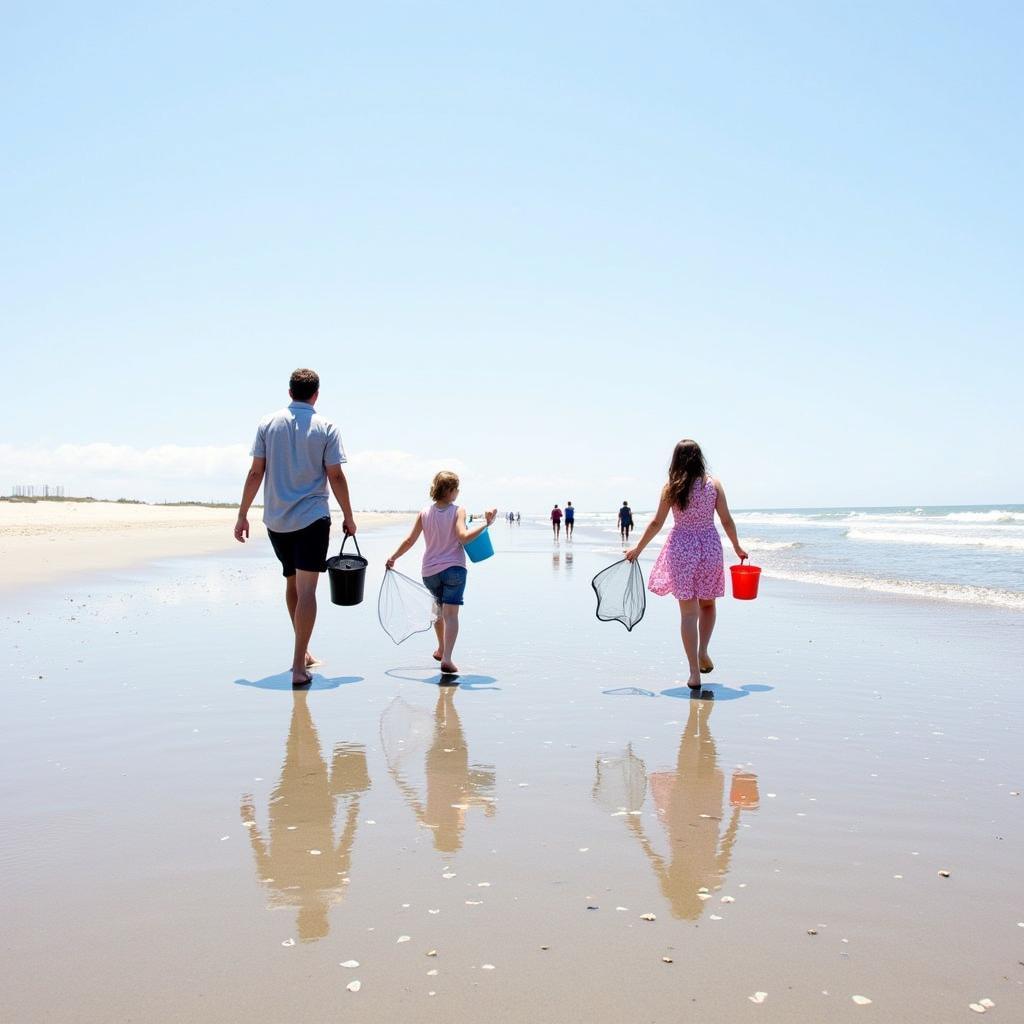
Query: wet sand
[[187, 839], [46, 541]]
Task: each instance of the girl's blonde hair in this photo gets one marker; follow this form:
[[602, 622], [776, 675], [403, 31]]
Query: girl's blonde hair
[[444, 484]]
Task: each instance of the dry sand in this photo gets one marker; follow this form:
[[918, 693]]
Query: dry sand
[[43, 541]]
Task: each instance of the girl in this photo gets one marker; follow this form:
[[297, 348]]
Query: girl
[[444, 530], [690, 564]]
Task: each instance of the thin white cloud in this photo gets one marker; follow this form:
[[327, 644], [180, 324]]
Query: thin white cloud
[[120, 461], [182, 472], [401, 465]]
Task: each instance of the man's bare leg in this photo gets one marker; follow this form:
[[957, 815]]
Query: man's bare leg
[[303, 620], [291, 597]]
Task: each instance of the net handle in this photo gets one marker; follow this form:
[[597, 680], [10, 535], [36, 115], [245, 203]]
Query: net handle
[[345, 541]]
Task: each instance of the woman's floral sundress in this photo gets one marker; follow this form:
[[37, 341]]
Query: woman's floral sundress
[[690, 565]]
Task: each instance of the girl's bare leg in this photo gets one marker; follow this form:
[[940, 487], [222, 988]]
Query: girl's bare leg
[[450, 621], [706, 626], [439, 630], [689, 613]]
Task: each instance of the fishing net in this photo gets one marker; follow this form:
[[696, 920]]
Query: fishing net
[[404, 607], [621, 596]]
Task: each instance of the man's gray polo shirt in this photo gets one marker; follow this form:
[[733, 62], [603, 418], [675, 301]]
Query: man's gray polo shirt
[[298, 445]]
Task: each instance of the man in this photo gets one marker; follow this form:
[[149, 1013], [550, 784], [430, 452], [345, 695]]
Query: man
[[299, 452], [625, 521], [556, 522], [570, 520]]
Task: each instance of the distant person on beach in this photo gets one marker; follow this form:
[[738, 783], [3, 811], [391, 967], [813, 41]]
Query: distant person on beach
[[444, 529], [625, 521], [517, 519], [298, 453], [570, 520], [556, 522], [690, 565]]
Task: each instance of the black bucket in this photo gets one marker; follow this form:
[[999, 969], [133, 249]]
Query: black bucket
[[347, 574]]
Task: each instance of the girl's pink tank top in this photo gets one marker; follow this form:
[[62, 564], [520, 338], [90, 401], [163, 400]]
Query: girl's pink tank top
[[443, 547]]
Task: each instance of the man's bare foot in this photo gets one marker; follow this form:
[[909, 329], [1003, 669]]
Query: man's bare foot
[[706, 664], [311, 660], [694, 681], [301, 678], [449, 668], [437, 654]]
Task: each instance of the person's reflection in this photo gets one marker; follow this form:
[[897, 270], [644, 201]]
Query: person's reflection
[[452, 784], [690, 805], [556, 562], [302, 866]]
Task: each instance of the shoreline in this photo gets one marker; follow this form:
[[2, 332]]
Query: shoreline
[[42, 542]]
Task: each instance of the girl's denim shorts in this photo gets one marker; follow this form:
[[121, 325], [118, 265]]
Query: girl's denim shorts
[[448, 585]]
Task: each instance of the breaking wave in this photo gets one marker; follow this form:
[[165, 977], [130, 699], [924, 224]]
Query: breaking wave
[[955, 540]]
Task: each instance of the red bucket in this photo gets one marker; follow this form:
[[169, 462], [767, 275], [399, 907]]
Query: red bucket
[[744, 581]]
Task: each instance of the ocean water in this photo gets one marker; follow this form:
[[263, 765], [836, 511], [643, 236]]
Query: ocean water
[[972, 554]]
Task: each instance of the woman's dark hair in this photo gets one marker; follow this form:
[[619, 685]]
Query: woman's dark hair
[[687, 465]]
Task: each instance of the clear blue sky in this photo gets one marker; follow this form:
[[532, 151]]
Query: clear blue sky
[[544, 240]]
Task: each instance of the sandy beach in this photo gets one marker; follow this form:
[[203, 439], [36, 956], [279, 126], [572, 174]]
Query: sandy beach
[[45, 541], [564, 836]]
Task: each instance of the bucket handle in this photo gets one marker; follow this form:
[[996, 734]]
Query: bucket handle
[[743, 559], [345, 541]]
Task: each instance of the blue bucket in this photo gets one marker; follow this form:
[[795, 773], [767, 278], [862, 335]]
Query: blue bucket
[[480, 547]]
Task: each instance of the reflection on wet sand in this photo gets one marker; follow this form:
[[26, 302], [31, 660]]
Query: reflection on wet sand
[[452, 785], [690, 804], [301, 865]]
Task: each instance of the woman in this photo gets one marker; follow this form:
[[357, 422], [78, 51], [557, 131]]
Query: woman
[[690, 565]]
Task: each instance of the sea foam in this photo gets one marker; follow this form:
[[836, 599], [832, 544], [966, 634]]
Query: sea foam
[[955, 540], [953, 592]]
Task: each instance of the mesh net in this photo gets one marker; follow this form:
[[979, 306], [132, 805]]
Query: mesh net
[[404, 607], [621, 596]]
